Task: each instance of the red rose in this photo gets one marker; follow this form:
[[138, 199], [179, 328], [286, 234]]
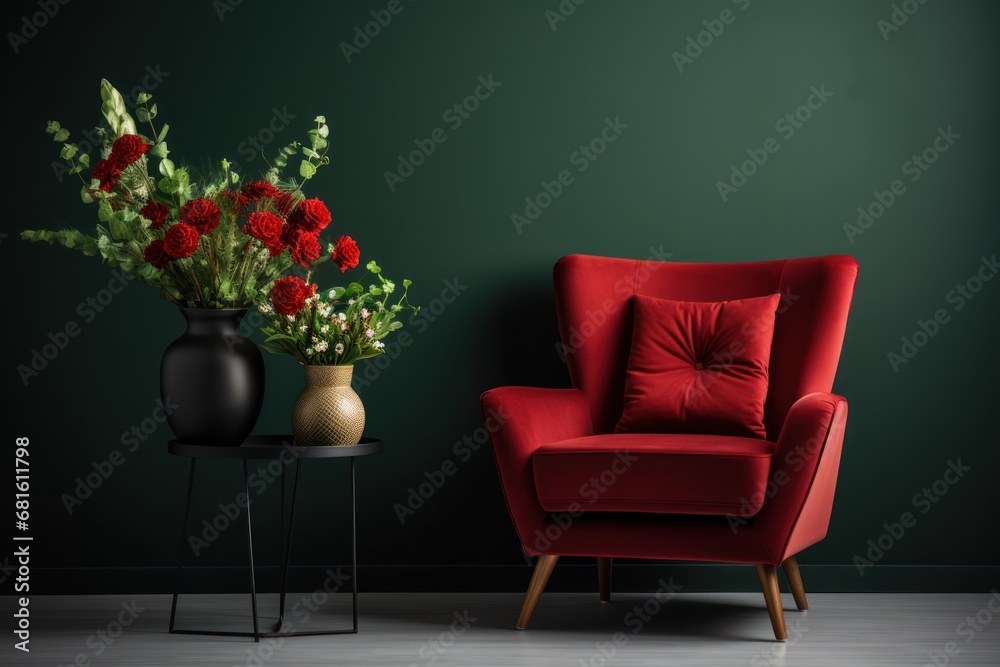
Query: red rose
[[289, 294], [156, 255], [346, 253], [304, 246], [128, 148], [181, 240], [201, 214], [258, 190], [107, 172], [284, 202], [156, 213], [311, 215], [266, 227]]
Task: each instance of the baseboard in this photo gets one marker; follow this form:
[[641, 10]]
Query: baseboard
[[568, 577]]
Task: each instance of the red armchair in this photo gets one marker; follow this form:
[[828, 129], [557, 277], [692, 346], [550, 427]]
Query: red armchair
[[574, 487]]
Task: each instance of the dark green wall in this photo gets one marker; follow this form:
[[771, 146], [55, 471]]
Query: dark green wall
[[655, 186]]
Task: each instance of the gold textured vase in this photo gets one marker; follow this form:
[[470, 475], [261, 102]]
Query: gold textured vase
[[328, 411]]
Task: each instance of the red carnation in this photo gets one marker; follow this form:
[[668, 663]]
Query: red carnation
[[107, 172], [258, 190], [266, 227], [181, 240], [128, 148], [345, 253], [284, 202], [156, 255], [201, 214], [311, 215], [289, 294], [304, 246], [156, 213]]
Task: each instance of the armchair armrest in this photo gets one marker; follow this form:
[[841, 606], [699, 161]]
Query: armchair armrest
[[520, 420], [803, 478]]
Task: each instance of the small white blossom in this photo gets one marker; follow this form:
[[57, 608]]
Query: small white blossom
[[324, 329], [303, 328], [378, 345], [330, 294], [350, 302], [264, 308], [370, 332], [344, 327], [309, 351], [339, 348], [291, 318], [364, 312], [322, 346], [325, 311], [342, 316]]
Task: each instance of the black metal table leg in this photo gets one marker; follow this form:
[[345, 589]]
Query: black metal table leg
[[354, 549], [288, 546], [180, 550], [253, 580]]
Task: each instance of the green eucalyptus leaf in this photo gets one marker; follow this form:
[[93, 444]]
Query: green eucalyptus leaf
[[163, 133], [320, 119], [324, 131], [310, 152], [85, 195], [52, 127], [160, 150], [142, 115], [307, 169], [84, 159], [166, 167], [152, 111], [61, 135], [143, 97], [68, 151]]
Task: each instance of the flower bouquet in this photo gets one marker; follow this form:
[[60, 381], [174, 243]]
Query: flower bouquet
[[328, 331]]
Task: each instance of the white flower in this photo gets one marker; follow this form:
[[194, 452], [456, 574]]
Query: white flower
[[339, 348], [342, 317], [350, 302], [264, 308], [378, 345], [324, 329], [364, 312], [322, 346], [370, 332], [325, 311], [303, 328], [388, 287], [309, 351], [330, 295], [291, 318], [344, 327]]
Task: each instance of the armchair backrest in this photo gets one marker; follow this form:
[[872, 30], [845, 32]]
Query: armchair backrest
[[594, 306]]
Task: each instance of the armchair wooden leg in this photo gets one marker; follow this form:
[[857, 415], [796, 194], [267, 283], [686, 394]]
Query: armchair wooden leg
[[543, 568], [791, 568], [768, 575], [604, 578]]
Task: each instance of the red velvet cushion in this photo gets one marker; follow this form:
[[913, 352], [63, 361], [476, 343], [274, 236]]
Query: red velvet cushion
[[699, 367], [653, 472]]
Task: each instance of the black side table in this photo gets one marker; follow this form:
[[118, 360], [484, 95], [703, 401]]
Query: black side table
[[285, 449]]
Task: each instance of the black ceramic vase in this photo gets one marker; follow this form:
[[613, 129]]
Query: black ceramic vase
[[213, 379]]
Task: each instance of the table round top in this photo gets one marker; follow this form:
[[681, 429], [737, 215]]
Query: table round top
[[273, 447]]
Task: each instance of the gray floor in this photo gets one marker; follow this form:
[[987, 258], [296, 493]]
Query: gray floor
[[567, 629]]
